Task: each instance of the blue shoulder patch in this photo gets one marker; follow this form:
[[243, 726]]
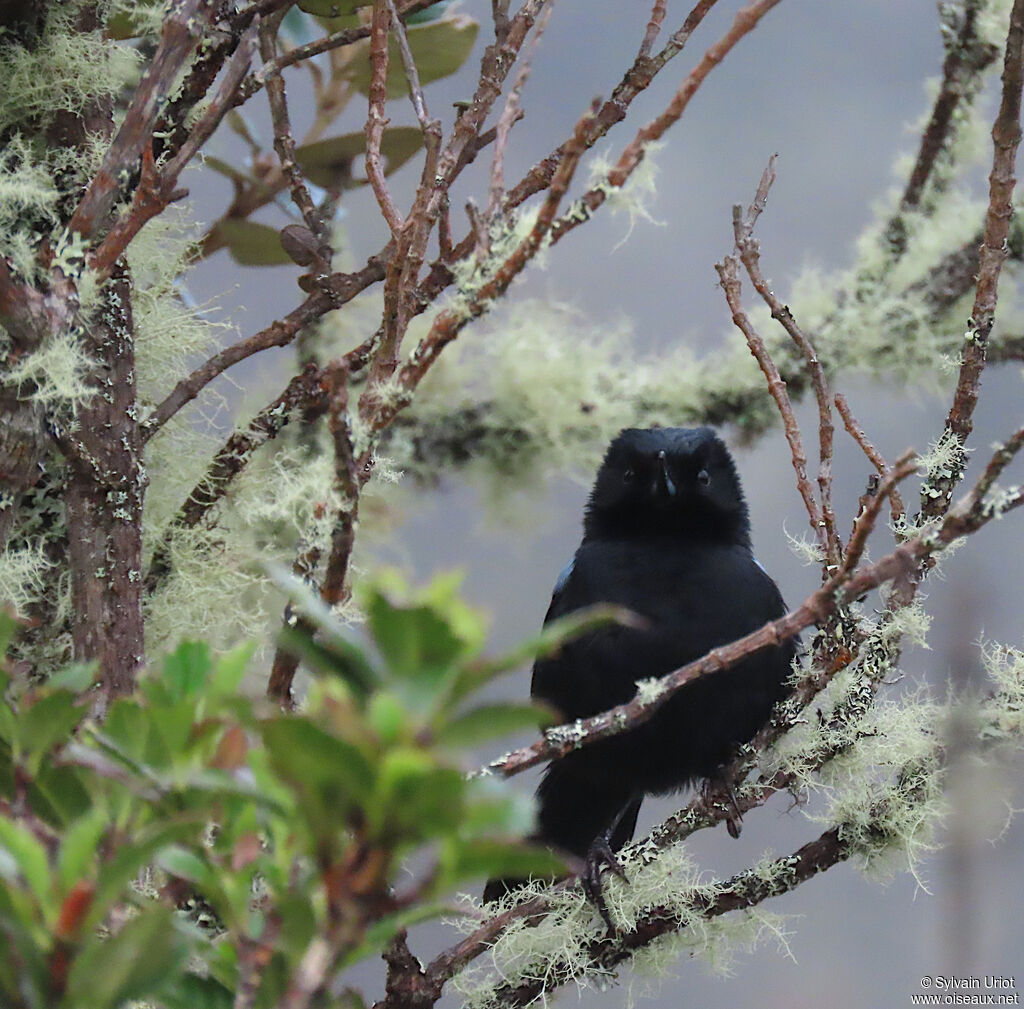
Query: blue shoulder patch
[[761, 566], [563, 576]]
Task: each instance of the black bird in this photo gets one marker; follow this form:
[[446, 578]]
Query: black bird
[[666, 534]]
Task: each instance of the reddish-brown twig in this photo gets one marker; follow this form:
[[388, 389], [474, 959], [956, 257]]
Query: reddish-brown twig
[[750, 254], [745, 22], [510, 115], [657, 18], [284, 142], [898, 510], [376, 118], [342, 287], [729, 272]]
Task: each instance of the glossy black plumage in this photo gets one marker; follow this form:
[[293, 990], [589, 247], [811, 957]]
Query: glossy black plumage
[[666, 534]]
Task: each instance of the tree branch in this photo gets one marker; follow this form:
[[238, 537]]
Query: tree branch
[[182, 28], [1006, 135]]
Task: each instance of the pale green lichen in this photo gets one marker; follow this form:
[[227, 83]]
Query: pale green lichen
[[170, 332], [27, 194], [470, 275], [24, 575], [804, 547], [67, 71], [635, 197], [557, 384], [55, 375]]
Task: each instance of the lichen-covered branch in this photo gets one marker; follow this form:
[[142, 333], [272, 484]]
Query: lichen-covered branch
[[1006, 135], [183, 26]]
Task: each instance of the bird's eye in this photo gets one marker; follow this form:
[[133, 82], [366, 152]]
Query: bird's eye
[[704, 478], [628, 476]]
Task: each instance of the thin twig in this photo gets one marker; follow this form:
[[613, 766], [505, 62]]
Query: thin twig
[[349, 475], [750, 253], [637, 79], [376, 119], [336, 40], [449, 324], [653, 27], [156, 189], [412, 75], [729, 272], [284, 142], [747, 19], [967, 56], [868, 517], [857, 433], [343, 287], [510, 115]]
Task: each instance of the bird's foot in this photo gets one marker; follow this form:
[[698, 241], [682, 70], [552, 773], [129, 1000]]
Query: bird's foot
[[716, 791], [598, 857]]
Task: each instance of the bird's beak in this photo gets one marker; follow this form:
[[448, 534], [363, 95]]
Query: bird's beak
[[663, 484]]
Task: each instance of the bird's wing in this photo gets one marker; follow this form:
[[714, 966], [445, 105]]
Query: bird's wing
[[557, 606], [566, 678]]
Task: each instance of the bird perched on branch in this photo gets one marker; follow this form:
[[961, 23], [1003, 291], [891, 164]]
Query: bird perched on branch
[[666, 534]]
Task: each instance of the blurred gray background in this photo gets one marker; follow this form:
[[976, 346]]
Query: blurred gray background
[[834, 89]]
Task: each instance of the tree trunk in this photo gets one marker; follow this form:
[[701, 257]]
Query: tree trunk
[[106, 487]]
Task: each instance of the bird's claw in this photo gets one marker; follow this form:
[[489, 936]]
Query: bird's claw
[[718, 789], [598, 857]]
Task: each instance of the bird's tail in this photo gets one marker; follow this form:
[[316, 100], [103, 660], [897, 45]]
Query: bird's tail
[[578, 801]]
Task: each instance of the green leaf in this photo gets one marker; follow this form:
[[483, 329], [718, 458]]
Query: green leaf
[[78, 849], [194, 992], [229, 670], [78, 677], [252, 244], [387, 717], [332, 8], [465, 859], [430, 14], [334, 657], [477, 725], [333, 653], [58, 795], [438, 48], [26, 857], [417, 797], [135, 963], [116, 874], [48, 722], [381, 932], [211, 785], [412, 638], [223, 167], [187, 668], [130, 735], [328, 163], [475, 675], [495, 808], [8, 628], [179, 861], [310, 758]]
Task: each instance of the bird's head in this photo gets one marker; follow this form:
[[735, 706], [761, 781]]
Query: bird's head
[[668, 481]]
